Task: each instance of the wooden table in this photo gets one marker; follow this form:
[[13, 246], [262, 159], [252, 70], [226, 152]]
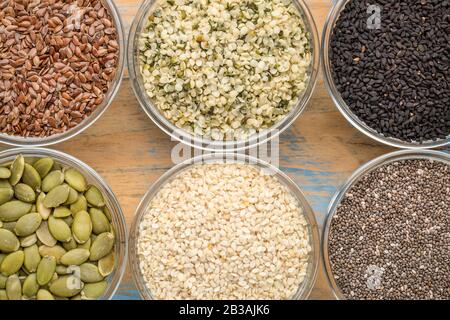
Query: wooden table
[[319, 151]]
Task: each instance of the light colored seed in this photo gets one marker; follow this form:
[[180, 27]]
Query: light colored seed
[[100, 222], [41, 208], [106, 264], [43, 166], [13, 288], [73, 196], [9, 225], [101, 246], [45, 270], [17, 168], [94, 197], [107, 213], [53, 179], [43, 294], [3, 295], [61, 212], [31, 177], [75, 179], [8, 241], [24, 192], [12, 263], [32, 258], [56, 251], [70, 245], [57, 196], [44, 235], [3, 281], [6, 194], [94, 290], [82, 227], [86, 245], [28, 224], [59, 229], [28, 240], [75, 257], [13, 210], [4, 183], [90, 273], [30, 286], [66, 286], [5, 173], [61, 270], [79, 205]]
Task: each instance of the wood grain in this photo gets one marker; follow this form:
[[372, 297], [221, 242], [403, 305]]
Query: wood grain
[[318, 152]]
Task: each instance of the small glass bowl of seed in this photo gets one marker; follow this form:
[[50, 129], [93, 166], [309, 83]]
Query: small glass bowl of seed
[[61, 65], [223, 74], [386, 234], [222, 227], [62, 230], [392, 89]]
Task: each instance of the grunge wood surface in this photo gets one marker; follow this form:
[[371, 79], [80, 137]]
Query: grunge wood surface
[[318, 152]]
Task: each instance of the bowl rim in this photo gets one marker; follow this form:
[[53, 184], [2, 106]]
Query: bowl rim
[[284, 179], [342, 106], [19, 141], [117, 212], [197, 142], [369, 166]]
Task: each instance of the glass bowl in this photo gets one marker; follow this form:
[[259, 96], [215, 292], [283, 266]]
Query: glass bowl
[[361, 171], [305, 287], [20, 141], [200, 142], [92, 177], [342, 105]]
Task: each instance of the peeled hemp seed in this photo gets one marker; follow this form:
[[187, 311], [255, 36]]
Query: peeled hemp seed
[[52, 223]]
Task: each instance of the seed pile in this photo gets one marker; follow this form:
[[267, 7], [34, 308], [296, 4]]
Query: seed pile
[[224, 70], [390, 236], [50, 246], [57, 62], [223, 231], [396, 79]]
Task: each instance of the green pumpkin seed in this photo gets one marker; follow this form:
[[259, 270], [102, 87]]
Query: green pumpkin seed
[[72, 244], [45, 270], [30, 286], [43, 210], [56, 251], [31, 177], [107, 213], [73, 196], [32, 258], [44, 235], [28, 240], [94, 290], [66, 286], [24, 192], [68, 220], [28, 224], [80, 204], [86, 245], [89, 273], [31, 160], [106, 264], [13, 210], [43, 166], [4, 183], [57, 196], [61, 212], [100, 222], [77, 297], [82, 227], [59, 229], [101, 246], [3, 295], [75, 257], [75, 179], [61, 270], [17, 168], [13, 288], [6, 194], [4, 173], [9, 225], [12, 263], [8, 241], [43, 294], [2, 256], [52, 180], [94, 197], [3, 281]]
